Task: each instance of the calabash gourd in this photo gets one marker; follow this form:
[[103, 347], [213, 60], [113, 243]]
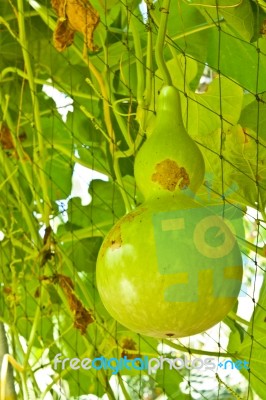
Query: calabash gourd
[[169, 268]]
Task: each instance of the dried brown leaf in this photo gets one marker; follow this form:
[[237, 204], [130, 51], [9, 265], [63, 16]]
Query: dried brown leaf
[[74, 16], [82, 316]]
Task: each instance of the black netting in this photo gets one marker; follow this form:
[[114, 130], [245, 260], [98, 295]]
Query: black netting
[[79, 89]]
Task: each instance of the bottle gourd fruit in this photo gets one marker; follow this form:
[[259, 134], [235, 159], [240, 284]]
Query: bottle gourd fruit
[[171, 267]]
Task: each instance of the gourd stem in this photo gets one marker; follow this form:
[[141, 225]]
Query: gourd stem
[[139, 61], [160, 43], [149, 62]]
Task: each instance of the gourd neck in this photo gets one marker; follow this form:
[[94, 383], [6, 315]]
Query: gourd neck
[[169, 107]]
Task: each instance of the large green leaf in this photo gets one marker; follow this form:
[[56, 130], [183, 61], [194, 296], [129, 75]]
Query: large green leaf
[[241, 19], [57, 131], [182, 19], [83, 253], [59, 172], [238, 59], [235, 160], [93, 158], [81, 127], [253, 115], [223, 97], [169, 380], [11, 53], [105, 208]]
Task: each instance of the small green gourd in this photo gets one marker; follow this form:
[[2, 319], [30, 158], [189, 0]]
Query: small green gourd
[[169, 161]]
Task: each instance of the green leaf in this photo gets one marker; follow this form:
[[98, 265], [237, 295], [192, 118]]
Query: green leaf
[[169, 380], [66, 71], [238, 59], [10, 50], [259, 21], [94, 158], [183, 19], [106, 206], [241, 19], [83, 253], [262, 3], [253, 348], [179, 67], [237, 335], [243, 165], [56, 132], [71, 341], [222, 97], [81, 127], [253, 116], [81, 382], [59, 174]]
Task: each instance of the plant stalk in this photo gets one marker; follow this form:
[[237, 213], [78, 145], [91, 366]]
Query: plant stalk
[[40, 153], [7, 387], [159, 48]]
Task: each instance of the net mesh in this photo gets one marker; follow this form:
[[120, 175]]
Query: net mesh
[[79, 88]]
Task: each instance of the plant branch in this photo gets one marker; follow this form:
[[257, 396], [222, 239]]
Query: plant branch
[[53, 84], [159, 48], [7, 388], [197, 351], [139, 60], [23, 204], [123, 388], [40, 154], [261, 251], [120, 182], [34, 329], [23, 156], [149, 68]]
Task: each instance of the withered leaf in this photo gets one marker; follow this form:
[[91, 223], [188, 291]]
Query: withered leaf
[[82, 316], [74, 16], [127, 345], [6, 140]]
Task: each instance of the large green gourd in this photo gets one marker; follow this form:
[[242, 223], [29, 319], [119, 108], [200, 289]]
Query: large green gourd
[[170, 268], [169, 161]]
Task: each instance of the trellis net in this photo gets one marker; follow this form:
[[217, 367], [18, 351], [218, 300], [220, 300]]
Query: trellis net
[[79, 84]]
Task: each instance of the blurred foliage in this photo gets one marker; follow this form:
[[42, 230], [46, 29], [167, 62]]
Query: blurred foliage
[[48, 295]]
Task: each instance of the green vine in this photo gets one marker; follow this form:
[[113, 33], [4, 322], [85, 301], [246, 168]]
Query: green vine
[[159, 48], [40, 154]]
